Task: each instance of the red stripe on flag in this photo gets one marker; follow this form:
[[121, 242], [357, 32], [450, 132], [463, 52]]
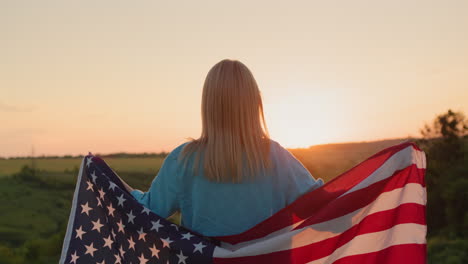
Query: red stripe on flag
[[310, 202], [406, 213], [313, 202], [401, 254], [360, 198]]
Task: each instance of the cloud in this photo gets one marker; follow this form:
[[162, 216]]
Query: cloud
[[14, 108]]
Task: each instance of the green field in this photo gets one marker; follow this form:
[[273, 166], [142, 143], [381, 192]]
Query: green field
[[146, 165]]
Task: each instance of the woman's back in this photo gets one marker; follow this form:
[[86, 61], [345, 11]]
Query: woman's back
[[223, 208], [234, 147]]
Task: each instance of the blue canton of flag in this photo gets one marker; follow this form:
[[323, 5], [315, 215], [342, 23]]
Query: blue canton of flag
[[107, 225]]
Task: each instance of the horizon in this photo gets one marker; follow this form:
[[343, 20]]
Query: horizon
[[167, 152], [109, 76]]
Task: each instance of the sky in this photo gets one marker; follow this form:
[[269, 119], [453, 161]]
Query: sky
[[110, 75]]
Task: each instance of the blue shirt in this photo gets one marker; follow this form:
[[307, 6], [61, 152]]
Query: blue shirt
[[219, 209]]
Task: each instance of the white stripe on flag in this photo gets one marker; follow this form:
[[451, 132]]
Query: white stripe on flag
[[372, 242], [410, 193], [397, 161]]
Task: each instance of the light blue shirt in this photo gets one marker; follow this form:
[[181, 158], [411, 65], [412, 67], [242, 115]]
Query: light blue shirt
[[219, 209]]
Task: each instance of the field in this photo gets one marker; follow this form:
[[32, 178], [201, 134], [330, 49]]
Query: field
[[35, 204], [143, 165]]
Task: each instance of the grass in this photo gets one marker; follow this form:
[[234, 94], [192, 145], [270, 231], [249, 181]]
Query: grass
[[144, 165]]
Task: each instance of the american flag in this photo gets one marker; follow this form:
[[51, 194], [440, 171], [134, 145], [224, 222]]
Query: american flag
[[373, 213]]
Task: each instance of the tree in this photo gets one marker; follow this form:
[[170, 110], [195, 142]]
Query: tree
[[445, 144], [445, 138]]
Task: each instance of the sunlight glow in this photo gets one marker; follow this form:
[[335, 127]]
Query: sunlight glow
[[302, 120]]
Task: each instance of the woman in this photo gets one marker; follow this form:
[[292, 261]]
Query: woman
[[233, 176]]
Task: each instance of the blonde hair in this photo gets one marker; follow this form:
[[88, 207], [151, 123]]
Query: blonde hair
[[233, 123]]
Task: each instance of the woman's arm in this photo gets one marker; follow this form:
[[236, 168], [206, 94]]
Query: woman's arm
[[162, 196]]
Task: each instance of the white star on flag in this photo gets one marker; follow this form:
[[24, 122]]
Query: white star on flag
[[121, 226], [90, 249], [187, 236], [198, 247], [88, 161], [145, 210], [154, 251], [97, 225], [90, 185], [131, 217], [85, 208], [131, 243], [121, 200], [108, 242], [166, 242], [74, 257], [117, 259], [112, 186], [80, 233], [98, 202], [181, 257], [94, 176], [142, 259], [141, 234], [122, 251], [111, 210], [156, 225], [101, 194]]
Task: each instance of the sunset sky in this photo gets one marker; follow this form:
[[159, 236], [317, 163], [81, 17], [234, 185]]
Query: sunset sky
[[107, 76]]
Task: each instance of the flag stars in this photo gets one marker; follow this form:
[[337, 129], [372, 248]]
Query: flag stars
[[154, 251], [80, 233], [74, 258], [145, 210], [142, 259], [166, 242], [121, 200], [141, 234], [111, 210], [112, 186], [108, 242], [101, 194], [88, 161], [90, 185], [85, 208], [117, 259], [94, 176], [90, 250], [181, 257], [199, 247], [131, 243], [175, 226], [131, 217], [121, 250], [121, 226], [98, 202], [97, 225], [156, 225], [187, 236]]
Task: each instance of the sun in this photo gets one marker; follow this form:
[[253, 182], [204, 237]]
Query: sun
[[299, 121]]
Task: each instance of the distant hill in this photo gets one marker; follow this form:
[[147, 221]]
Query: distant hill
[[329, 160]]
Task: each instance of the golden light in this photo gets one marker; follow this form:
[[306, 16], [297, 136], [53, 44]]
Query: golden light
[[304, 119]]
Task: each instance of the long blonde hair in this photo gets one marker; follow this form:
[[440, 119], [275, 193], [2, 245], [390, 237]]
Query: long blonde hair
[[233, 124]]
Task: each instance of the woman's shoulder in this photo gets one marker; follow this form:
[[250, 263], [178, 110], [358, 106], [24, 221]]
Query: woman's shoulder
[[175, 153], [276, 149]]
